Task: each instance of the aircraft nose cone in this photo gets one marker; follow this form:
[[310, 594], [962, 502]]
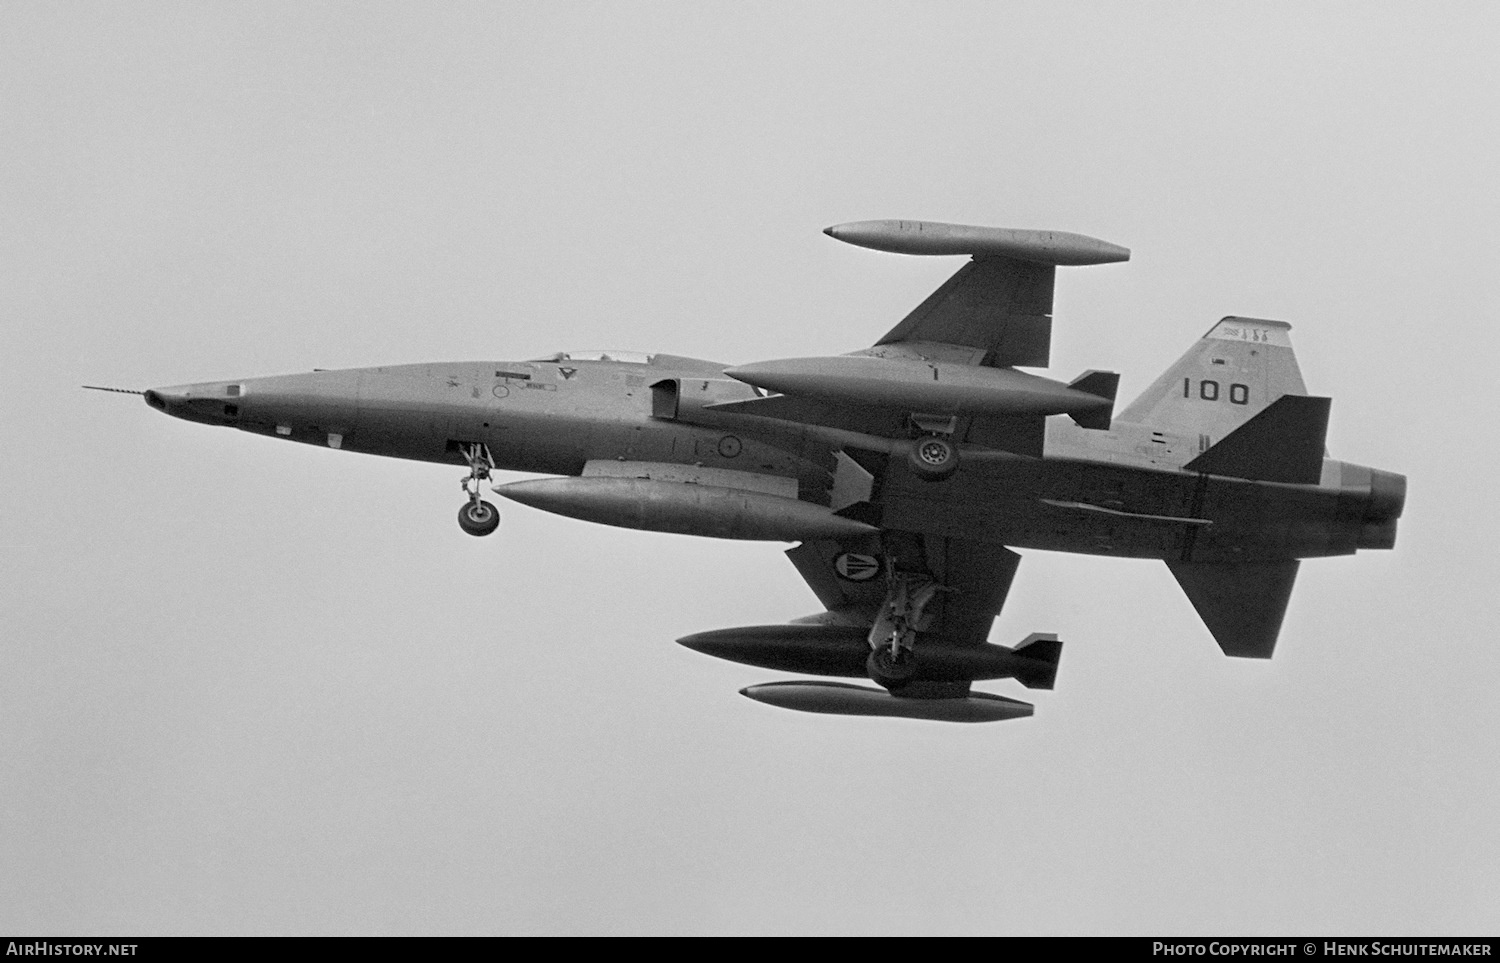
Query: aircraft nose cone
[[213, 403], [173, 399]]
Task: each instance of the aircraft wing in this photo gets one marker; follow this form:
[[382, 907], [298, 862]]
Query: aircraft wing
[[999, 305], [951, 362], [974, 578], [851, 583]]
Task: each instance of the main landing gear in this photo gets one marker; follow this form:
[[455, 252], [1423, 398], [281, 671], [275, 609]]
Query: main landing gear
[[933, 456], [477, 517], [903, 614]]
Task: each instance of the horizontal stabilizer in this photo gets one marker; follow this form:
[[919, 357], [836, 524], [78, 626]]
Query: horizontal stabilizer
[[1284, 443], [839, 698], [1242, 603]]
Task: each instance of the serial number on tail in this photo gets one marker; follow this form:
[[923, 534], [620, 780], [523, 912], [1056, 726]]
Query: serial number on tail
[[1208, 390]]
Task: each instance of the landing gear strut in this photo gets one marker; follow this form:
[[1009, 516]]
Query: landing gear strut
[[477, 517], [892, 661], [891, 670]]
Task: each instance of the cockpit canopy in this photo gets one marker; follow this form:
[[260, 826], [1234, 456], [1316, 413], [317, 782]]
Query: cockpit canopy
[[658, 360], [626, 357]]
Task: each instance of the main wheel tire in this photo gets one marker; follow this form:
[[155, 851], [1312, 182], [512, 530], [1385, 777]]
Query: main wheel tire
[[478, 518], [933, 457], [890, 672]]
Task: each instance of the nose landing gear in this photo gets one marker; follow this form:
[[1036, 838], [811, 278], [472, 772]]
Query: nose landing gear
[[477, 517]]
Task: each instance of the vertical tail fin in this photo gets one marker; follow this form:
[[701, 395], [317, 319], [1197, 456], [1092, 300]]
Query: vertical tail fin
[[1233, 373]]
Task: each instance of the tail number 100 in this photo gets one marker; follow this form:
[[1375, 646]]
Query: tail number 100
[[1208, 390]]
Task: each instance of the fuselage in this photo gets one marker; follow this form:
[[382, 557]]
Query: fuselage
[[545, 416], [1121, 491]]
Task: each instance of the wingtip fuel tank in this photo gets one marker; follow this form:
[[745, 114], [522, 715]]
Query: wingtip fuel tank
[[932, 238]]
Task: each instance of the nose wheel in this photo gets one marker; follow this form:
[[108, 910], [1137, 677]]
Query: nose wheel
[[477, 517]]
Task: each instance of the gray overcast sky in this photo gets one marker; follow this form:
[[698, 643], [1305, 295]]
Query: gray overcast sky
[[253, 687]]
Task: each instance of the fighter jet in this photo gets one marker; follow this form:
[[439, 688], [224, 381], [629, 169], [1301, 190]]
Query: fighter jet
[[906, 472]]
